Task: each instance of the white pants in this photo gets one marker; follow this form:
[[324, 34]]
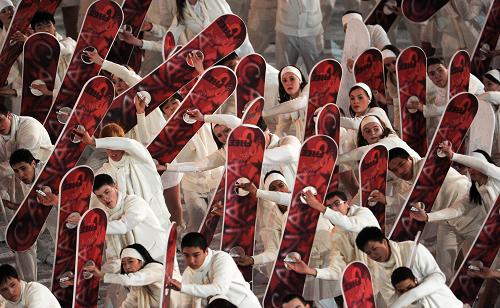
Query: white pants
[[261, 27], [195, 208], [289, 48]]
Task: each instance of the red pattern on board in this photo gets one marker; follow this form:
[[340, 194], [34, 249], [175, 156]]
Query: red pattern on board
[[169, 263], [421, 10], [489, 35], [357, 288], [459, 73], [251, 74], [168, 45], [369, 68]]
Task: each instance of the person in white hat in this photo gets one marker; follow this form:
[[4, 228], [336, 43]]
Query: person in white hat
[[389, 56], [491, 80], [378, 36]]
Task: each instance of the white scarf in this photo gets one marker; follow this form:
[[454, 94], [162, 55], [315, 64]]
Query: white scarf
[[130, 179], [200, 276], [118, 241]]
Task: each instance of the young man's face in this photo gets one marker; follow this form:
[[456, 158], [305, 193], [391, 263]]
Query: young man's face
[[405, 285], [45, 26], [295, 303], [24, 171], [402, 168], [377, 251], [11, 289], [337, 204], [5, 123], [438, 74], [194, 256], [108, 195]]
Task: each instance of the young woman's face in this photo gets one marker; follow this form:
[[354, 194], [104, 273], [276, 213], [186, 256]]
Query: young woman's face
[[359, 101], [221, 132], [6, 15], [390, 64], [291, 84], [372, 132], [490, 85], [131, 265]]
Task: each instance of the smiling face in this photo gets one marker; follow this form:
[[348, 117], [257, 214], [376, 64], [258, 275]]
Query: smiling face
[[11, 289], [359, 101], [108, 195], [24, 171], [194, 256], [438, 74], [291, 84]]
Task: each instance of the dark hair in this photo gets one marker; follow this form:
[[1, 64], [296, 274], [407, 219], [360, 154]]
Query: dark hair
[[373, 102], [143, 252], [400, 274], [102, 179], [271, 172], [336, 193], [194, 239], [7, 271], [435, 60], [180, 9], [369, 234], [474, 195], [398, 153], [352, 11], [4, 110], [261, 123], [176, 95], [386, 131], [21, 155], [283, 96], [230, 61], [491, 78], [221, 303], [42, 16], [218, 143], [289, 297]]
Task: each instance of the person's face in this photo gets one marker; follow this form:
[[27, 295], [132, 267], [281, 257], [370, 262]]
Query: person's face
[[221, 132], [279, 186], [119, 84], [490, 85], [377, 251], [295, 303], [405, 285], [6, 15], [192, 2], [291, 84], [438, 74], [11, 289], [24, 171], [131, 265], [108, 195], [115, 155], [402, 168], [372, 132], [5, 122], [359, 101], [46, 26], [337, 204], [477, 176], [169, 107], [194, 256], [390, 64]]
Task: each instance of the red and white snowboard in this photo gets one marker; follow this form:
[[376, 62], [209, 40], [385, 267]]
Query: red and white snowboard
[[458, 73], [357, 287], [169, 264], [251, 74], [369, 68], [421, 10], [316, 162], [383, 15], [168, 45], [488, 40]]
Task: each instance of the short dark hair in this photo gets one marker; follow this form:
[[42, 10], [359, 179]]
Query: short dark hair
[[221, 303], [42, 16], [435, 60], [336, 193], [21, 155], [398, 153], [102, 179], [271, 172], [400, 274], [194, 239], [290, 297], [369, 234], [4, 110], [7, 271], [143, 252], [352, 11], [261, 123]]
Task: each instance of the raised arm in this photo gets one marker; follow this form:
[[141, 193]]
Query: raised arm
[[153, 272], [130, 146], [292, 105], [120, 71], [478, 164], [210, 162], [228, 120], [356, 223], [288, 151]]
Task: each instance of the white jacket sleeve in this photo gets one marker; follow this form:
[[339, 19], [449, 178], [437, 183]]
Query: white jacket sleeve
[[277, 197], [355, 223], [288, 151], [457, 209], [432, 111], [353, 123], [158, 30], [37, 295], [475, 163], [120, 71], [152, 45], [133, 216], [146, 276], [132, 147], [228, 120], [210, 162], [292, 105], [492, 97], [428, 286], [67, 46]]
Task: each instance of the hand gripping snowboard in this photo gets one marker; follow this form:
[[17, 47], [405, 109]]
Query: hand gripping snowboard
[[324, 83], [41, 57], [90, 248], [411, 72], [369, 68], [421, 10], [75, 191], [317, 158], [245, 153], [483, 252], [251, 74], [169, 264], [98, 31], [453, 126], [357, 288], [373, 176], [25, 226], [383, 15], [11, 49], [488, 41], [210, 92], [215, 42]]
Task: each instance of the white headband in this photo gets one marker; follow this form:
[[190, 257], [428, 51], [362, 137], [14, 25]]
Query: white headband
[[348, 17], [386, 53], [365, 87], [369, 119], [495, 74], [131, 253], [273, 177], [480, 156], [5, 3], [293, 70]]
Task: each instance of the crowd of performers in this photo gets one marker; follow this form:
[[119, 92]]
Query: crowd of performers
[[141, 204]]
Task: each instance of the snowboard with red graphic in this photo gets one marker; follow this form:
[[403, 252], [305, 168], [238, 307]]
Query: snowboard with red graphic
[[487, 42], [169, 264], [369, 68], [251, 74], [91, 106], [458, 73], [384, 14], [134, 12], [373, 177], [454, 124], [421, 10], [11, 49], [411, 72], [41, 57], [50, 6], [90, 248], [219, 39], [324, 83], [211, 90], [98, 31], [357, 287], [75, 192], [253, 111], [317, 159], [168, 45], [482, 254]]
